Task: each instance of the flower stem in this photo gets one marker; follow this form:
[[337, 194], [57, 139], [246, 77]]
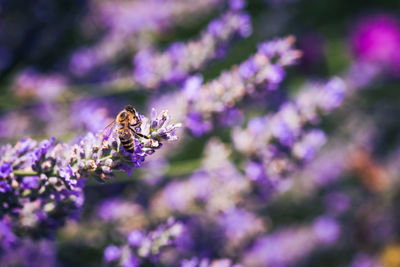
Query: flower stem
[[25, 173]]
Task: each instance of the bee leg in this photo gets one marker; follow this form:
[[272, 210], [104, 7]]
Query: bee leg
[[142, 135], [136, 124], [138, 134]]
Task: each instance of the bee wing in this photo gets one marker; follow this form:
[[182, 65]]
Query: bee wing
[[108, 129]]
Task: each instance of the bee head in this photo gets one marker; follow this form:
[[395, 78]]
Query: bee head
[[130, 109]]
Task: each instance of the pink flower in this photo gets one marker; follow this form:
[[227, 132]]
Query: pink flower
[[376, 39]]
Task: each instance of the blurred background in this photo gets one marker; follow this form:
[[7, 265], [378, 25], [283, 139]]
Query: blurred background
[[68, 67]]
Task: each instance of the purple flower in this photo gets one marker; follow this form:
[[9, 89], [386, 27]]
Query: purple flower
[[112, 253], [216, 27], [289, 245], [245, 29], [82, 61], [337, 202], [67, 173], [222, 93], [29, 182], [239, 224], [131, 261], [362, 259], [279, 51], [288, 125], [190, 263], [152, 68], [333, 94], [29, 253], [145, 246], [25, 144], [284, 131], [326, 229], [135, 238], [376, 39], [41, 150], [237, 4], [255, 171], [275, 76], [248, 68], [30, 83], [59, 172], [257, 125], [5, 187], [5, 169], [192, 86], [306, 148], [7, 238], [196, 124]]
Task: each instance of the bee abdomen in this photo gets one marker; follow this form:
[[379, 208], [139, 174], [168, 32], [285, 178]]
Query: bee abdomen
[[130, 149], [128, 143]]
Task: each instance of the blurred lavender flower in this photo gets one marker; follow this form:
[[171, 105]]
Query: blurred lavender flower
[[376, 39], [43, 119], [14, 123], [31, 84], [265, 68], [365, 260], [288, 246], [285, 142], [42, 182], [117, 209], [112, 253], [123, 215], [152, 67], [239, 226], [30, 253], [326, 229], [195, 262], [124, 31], [215, 187], [142, 246], [90, 114], [36, 121], [7, 239], [337, 203]]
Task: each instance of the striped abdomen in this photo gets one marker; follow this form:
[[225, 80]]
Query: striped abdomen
[[127, 140]]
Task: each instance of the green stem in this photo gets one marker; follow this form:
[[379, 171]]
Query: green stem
[[29, 173], [182, 167], [25, 173]]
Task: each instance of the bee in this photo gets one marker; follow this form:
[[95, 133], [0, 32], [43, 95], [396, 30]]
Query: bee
[[128, 122]]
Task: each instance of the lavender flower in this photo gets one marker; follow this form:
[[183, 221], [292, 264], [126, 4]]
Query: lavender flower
[[196, 262], [112, 253], [90, 114], [285, 142], [239, 226], [152, 67], [30, 84], [30, 253], [124, 31], [215, 187], [364, 260], [116, 209], [35, 121], [142, 246], [8, 239], [264, 69], [287, 246], [42, 183]]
